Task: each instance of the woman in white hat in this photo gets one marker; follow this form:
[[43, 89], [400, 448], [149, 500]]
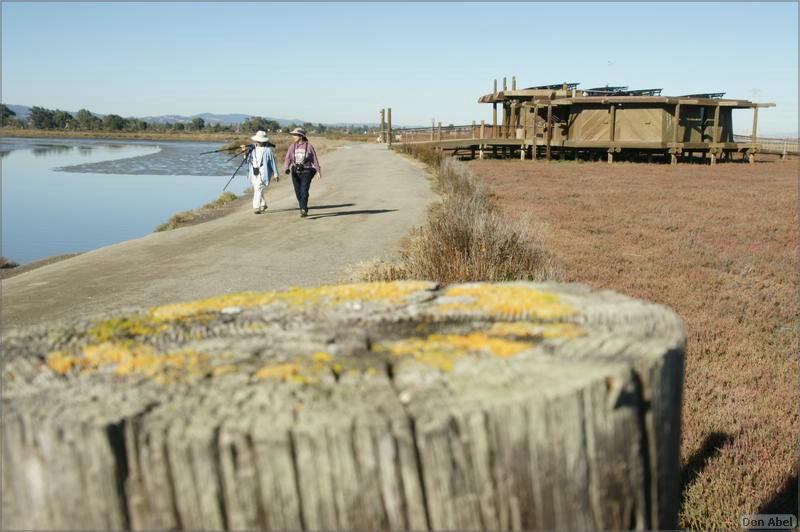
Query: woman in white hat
[[261, 169], [301, 159]]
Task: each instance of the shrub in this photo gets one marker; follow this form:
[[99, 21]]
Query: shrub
[[5, 263], [466, 237]]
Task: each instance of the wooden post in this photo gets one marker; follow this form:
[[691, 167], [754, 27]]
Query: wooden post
[[494, 120], [335, 414], [755, 125], [433, 127], [439, 132], [472, 131], [612, 123], [512, 121], [513, 83], [715, 137], [675, 127], [549, 130], [389, 125], [494, 90], [535, 132], [483, 129], [383, 125], [505, 86]]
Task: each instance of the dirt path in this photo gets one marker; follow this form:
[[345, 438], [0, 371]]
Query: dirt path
[[368, 199]]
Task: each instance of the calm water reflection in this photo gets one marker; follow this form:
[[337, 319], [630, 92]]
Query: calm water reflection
[[54, 202]]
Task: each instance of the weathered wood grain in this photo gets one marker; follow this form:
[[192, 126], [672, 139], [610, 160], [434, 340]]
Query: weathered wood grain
[[389, 406]]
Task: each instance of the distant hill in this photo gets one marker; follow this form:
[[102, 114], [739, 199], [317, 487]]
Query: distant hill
[[210, 119]]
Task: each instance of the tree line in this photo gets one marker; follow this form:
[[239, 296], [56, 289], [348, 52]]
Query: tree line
[[85, 120]]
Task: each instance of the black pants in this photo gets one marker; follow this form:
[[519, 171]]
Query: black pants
[[302, 183]]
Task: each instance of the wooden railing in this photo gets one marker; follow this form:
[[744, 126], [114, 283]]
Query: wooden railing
[[783, 146]]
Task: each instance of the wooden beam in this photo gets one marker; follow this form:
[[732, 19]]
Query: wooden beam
[[755, 125], [513, 83], [549, 130], [389, 125], [494, 118], [535, 130], [383, 125], [612, 122], [715, 134]]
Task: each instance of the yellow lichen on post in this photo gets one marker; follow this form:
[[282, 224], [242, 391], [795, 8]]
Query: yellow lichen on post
[[442, 351], [278, 371], [532, 329], [129, 360], [503, 301], [389, 292]]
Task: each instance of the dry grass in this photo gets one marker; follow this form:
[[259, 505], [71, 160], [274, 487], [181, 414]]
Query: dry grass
[[719, 245], [6, 263], [466, 237]]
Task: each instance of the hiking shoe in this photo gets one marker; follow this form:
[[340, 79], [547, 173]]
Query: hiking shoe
[[258, 211], [303, 213]]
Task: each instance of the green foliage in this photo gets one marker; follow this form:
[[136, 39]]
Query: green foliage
[[41, 118], [113, 122], [178, 126], [198, 123], [6, 115], [61, 119], [257, 123], [84, 119]]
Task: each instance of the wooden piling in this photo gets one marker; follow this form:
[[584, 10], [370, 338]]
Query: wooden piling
[[549, 130], [389, 125], [383, 125], [374, 406]]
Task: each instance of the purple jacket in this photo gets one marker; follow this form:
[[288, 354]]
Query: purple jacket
[[310, 160]]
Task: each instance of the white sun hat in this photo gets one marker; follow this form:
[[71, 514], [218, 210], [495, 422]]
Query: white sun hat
[[260, 136]]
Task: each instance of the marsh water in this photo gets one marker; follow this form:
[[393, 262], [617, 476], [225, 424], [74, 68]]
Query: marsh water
[[71, 195]]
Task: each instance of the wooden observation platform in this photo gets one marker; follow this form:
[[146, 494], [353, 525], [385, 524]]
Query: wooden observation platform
[[563, 121]]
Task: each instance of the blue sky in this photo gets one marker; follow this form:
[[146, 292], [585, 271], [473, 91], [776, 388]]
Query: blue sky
[[342, 62]]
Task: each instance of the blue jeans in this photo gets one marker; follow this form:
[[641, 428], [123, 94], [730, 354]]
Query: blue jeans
[[302, 183]]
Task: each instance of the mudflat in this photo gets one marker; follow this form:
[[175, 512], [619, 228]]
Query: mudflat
[[367, 200]]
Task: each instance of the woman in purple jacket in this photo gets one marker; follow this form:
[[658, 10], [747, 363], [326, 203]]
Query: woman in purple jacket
[[301, 160]]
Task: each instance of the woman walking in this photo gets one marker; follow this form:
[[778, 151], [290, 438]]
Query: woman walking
[[262, 167], [301, 160]]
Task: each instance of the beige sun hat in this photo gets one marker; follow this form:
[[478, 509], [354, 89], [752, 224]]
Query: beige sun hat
[[300, 132], [261, 136]]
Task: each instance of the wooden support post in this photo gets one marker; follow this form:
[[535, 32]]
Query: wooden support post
[[549, 130], [513, 83], [433, 127], [505, 85], [439, 132], [383, 125], [512, 121], [610, 157], [472, 132], [713, 156], [522, 151], [612, 122], [494, 90], [213, 441], [389, 125], [673, 159], [755, 125], [535, 131], [677, 123], [715, 134], [483, 129], [494, 120]]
